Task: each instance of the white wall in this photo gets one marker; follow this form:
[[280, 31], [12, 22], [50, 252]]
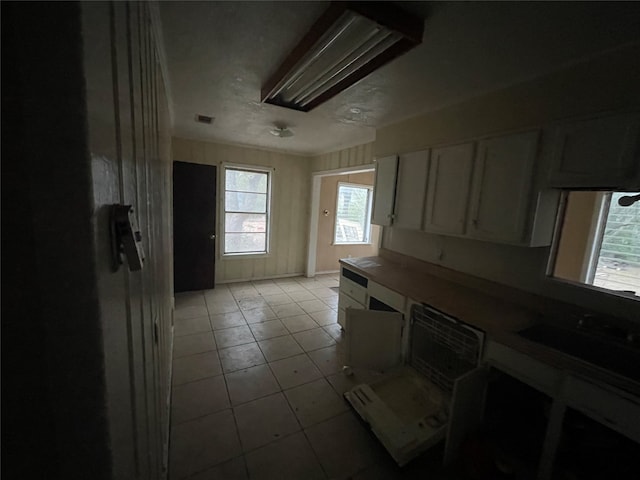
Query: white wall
[[290, 204], [606, 83]]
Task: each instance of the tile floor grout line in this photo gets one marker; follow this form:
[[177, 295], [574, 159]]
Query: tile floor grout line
[[235, 422], [302, 430], [212, 467], [281, 389]]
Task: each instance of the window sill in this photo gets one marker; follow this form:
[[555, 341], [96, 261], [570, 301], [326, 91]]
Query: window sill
[[352, 243], [243, 256]]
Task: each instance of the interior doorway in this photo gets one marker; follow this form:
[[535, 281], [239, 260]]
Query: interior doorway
[[194, 226], [340, 223]]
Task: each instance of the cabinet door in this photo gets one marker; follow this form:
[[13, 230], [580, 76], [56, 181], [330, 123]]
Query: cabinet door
[[601, 152], [500, 193], [384, 190], [373, 339], [466, 408], [448, 189], [411, 186]]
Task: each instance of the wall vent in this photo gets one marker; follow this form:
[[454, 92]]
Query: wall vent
[[204, 119]]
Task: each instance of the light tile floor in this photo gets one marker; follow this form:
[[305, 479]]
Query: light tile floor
[[257, 388]]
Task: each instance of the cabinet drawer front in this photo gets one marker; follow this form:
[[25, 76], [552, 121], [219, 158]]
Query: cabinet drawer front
[[345, 302], [526, 369], [391, 298], [355, 291], [606, 407]]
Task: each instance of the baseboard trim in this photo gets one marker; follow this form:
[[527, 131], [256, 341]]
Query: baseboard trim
[[251, 279], [324, 272]]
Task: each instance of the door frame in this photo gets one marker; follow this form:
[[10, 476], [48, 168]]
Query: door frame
[[314, 217]]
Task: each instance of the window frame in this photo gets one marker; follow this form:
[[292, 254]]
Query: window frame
[[368, 235], [595, 237], [269, 171]]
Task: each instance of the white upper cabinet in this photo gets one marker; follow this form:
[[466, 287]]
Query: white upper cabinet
[[413, 169], [384, 190], [448, 189], [597, 153], [482, 190], [501, 188]]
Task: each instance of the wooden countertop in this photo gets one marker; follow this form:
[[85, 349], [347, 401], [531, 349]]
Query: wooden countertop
[[499, 317]]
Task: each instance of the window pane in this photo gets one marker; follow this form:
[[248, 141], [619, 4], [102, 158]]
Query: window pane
[[245, 223], [245, 242], [599, 241], [618, 266], [351, 214], [244, 181], [245, 202]]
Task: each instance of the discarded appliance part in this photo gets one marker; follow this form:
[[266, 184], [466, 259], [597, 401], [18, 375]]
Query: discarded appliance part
[[411, 408]]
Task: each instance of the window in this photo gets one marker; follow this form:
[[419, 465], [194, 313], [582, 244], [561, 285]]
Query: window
[[599, 241], [353, 214], [246, 211]]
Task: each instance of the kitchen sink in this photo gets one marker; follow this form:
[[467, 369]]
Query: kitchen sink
[[610, 355]]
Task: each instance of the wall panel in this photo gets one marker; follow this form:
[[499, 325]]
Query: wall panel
[[128, 133], [348, 157], [289, 207]]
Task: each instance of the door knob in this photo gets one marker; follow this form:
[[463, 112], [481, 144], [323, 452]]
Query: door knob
[[212, 236]]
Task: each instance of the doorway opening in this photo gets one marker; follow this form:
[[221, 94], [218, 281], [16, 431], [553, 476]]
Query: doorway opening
[[340, 223]]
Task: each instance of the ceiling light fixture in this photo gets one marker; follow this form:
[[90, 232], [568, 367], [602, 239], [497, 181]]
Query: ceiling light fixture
[[282, 132], [348, 42]]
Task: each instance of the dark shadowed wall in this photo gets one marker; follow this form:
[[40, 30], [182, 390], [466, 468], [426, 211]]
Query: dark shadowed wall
[[85, 350]]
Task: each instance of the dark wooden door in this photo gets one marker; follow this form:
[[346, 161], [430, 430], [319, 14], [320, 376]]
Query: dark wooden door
[[194, 226]]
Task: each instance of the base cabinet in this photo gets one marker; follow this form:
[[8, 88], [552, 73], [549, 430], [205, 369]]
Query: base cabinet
[[556, 400], [353, 294]]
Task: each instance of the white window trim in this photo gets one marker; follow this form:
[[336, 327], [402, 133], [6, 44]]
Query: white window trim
[[223, 210], [367, 217], [596, 234]]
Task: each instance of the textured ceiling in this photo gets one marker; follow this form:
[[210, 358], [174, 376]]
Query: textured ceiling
[[220, 53]]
